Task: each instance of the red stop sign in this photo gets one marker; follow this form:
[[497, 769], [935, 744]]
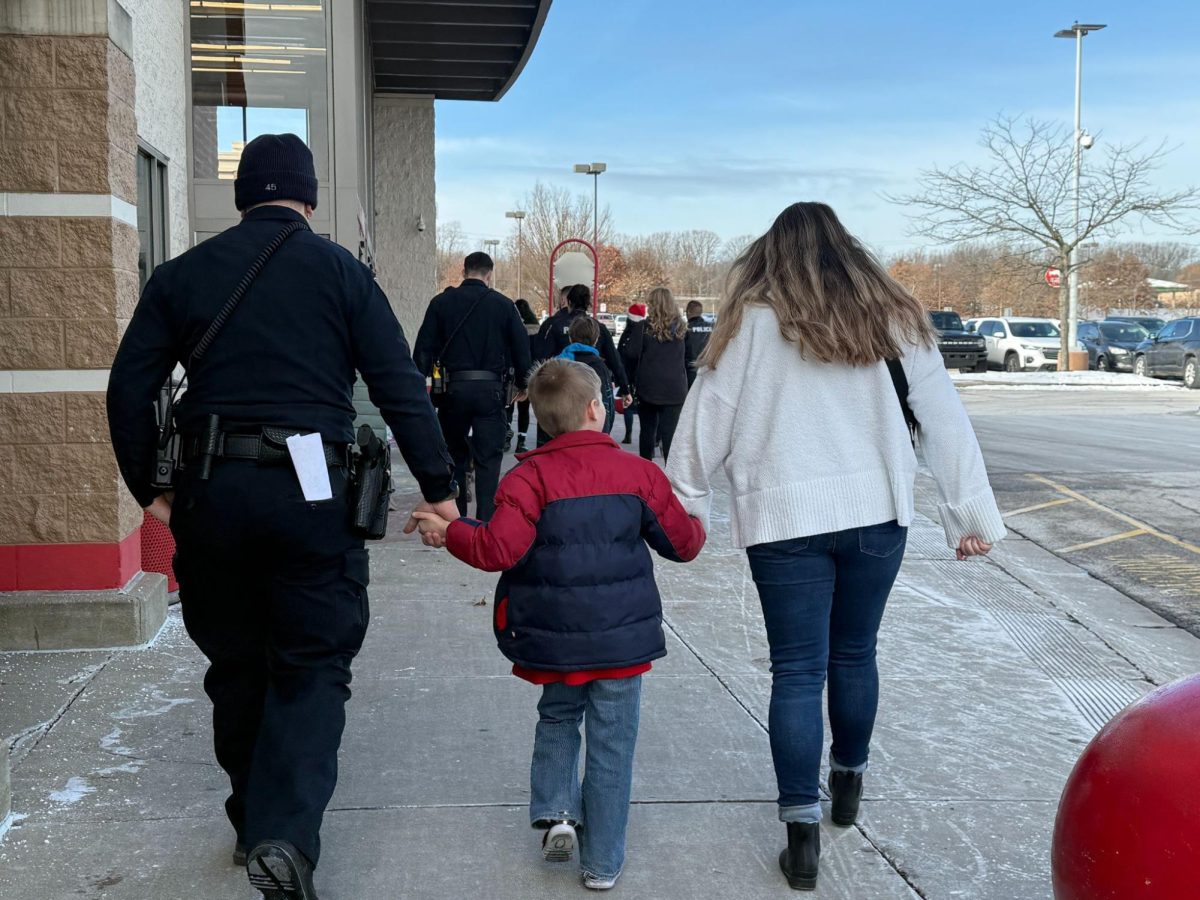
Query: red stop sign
[[1054, 277]]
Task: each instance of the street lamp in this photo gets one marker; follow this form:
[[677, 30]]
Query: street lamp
[[594, 169], [519, 215], [1082, 142]]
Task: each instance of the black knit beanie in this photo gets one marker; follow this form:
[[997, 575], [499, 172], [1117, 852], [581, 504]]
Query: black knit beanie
[[275, 167]]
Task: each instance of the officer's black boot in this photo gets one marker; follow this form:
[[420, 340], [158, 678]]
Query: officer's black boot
[[799, 861], [280, 871], [521, 443], [845, 790]]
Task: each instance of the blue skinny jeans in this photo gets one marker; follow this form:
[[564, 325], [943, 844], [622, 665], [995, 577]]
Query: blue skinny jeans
[[823, 599]]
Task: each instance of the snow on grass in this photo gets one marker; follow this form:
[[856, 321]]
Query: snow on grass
[[1043, 380]]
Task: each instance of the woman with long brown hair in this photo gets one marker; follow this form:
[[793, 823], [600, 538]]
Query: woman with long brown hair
[[657, 353], [818, 366]]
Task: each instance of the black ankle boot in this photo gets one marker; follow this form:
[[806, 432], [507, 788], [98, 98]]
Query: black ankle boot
[[799, 860], [845, 790]]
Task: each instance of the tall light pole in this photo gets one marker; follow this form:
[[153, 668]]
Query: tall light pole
[[519, 215], [492, 244], [594, 169], [1082, 142]]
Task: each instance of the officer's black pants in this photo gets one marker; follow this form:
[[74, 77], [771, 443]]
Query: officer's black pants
[[658, 424], [274, 592], [475, 408]]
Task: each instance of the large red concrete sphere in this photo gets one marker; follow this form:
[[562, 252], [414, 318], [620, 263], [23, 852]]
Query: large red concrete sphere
[[1128, 824]]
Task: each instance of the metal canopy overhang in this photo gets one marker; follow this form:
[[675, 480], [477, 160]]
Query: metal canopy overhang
[[452, 49]]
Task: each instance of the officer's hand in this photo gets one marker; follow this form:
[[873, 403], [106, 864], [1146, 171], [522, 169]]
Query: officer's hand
[[627, 399], [161, 508], [446, 509]]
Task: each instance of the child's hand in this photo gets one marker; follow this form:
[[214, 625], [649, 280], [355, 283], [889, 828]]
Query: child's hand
[[433, 528]]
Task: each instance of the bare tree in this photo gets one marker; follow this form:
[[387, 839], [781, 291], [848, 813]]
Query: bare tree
[[1023, 194], [451, 245]]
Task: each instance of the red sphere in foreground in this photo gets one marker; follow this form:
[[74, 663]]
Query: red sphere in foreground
[[1128, 825]]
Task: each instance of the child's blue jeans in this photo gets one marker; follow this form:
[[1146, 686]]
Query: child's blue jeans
[[610, 710]]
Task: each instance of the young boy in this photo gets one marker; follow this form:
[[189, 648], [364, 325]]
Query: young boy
[[585, 335], [577, 609]]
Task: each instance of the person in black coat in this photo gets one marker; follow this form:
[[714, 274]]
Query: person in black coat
[[473, 334], [558, 335], [658, 352], [629, 347], [699, 330], [532, 328]]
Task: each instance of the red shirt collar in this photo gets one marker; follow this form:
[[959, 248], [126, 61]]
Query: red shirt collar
[[570, 441]]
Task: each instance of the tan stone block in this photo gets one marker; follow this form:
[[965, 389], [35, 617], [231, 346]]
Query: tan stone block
[[6, 474], [128, 291], [83, 167], [32, 419], [129, 514], [121, 79], [122, 172], [81, 63], [93, 518], [26, 61], [91, 343], [99, 243], [125, 248], [64, 293], [29, 241], [80, 115], [31, 344], [5, 308], [28, 167], [64, 469], [86, 418], [33, 519], [29, 115], [122, 124]]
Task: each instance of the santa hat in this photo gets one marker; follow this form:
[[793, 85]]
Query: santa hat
[[637, 312]]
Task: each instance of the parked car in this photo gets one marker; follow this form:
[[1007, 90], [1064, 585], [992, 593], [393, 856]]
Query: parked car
[[622, 321], [959, 348], [1150, 323], [608, 320], [1111, 346], [1021, 344], [1172, 353]]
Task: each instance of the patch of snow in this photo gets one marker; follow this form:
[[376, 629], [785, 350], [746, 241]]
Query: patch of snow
[[10, 822], [164, 706], [1042, 380], [76, 789]]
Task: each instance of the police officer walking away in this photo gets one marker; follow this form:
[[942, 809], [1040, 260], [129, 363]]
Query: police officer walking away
[[699, 330], [471, 342], [272, 580]]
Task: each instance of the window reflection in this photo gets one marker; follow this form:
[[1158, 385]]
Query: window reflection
[[257, 68]]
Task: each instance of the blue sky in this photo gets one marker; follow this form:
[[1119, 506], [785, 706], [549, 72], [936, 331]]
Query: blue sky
[[716, 114]]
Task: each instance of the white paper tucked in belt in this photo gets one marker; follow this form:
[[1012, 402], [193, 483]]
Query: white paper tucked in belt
[[308, 459]]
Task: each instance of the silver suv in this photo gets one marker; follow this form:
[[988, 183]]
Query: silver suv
[[1020, 344]]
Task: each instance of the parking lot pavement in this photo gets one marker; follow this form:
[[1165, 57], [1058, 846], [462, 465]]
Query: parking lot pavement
[[995, 675], [1105, 479]]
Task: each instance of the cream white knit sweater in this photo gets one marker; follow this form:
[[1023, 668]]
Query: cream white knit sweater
[[811, 447]]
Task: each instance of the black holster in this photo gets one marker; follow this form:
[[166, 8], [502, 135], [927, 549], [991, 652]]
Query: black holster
[[371, 485]]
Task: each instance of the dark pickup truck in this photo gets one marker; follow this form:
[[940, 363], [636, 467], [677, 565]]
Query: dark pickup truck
[[960, 348]]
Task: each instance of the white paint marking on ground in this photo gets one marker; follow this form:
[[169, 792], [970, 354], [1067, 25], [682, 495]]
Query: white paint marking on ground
[[76, 789], [1100, 542], [1039, 506]]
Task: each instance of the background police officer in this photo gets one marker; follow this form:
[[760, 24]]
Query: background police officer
[[474, 335], [699, 330], [273, 587], [558, 334]]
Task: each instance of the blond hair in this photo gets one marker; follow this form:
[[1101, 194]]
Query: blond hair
[[662, 318], [833, 299], [560, 391]]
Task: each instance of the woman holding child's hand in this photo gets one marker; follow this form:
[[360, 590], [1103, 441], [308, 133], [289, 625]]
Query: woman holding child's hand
[[803, 397]]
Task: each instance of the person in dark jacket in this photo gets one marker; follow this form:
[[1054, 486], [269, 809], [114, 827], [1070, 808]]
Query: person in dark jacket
[[579, 302], [577, 609], [585, 333], [660, 372], [699, 330], [561, 319], [273, 588], [475, 337], [532, 328], [630, 338]]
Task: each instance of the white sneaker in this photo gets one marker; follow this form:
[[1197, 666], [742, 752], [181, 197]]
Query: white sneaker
[[559, 842], [596, 883]]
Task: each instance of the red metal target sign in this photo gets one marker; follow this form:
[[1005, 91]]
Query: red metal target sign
[[1054, 277]]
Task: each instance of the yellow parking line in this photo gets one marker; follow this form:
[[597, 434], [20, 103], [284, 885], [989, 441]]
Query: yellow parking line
[[1142, 526], [1112, 538], [1029, 509]]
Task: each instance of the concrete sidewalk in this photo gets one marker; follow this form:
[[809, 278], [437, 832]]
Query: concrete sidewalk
[[995, 675]]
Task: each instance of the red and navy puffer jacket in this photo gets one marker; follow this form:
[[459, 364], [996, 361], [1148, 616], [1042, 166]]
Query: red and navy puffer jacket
[[570, 534]]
